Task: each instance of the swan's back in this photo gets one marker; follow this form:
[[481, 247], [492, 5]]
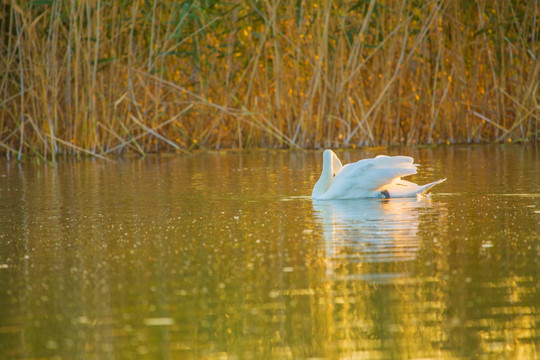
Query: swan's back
[[364, 178]]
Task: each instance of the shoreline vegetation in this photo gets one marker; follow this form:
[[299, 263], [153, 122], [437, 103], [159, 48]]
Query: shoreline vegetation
[[96, 77]]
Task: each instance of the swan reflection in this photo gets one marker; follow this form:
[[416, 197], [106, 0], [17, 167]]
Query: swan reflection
[[369, 230]]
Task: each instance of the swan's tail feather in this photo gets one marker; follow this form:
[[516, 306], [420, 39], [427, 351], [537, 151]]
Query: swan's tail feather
[[425, 188]]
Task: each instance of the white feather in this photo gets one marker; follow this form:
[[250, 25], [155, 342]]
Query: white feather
[[368, 178]]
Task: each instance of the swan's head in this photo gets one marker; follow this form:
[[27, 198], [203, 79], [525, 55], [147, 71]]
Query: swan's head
[[331, 166]]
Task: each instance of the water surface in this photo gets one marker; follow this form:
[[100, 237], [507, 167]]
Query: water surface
[[225, 256]]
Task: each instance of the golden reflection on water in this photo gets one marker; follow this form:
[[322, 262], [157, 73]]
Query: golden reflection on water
[[368, 289], [223, 256], [385, 229]]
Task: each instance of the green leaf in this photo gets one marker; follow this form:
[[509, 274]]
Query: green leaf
[[106, 60], [41, 2]]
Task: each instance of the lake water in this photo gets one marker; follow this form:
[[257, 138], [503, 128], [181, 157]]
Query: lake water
[[225, 256]]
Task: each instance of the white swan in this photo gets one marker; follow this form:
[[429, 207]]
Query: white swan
[[379, 177]]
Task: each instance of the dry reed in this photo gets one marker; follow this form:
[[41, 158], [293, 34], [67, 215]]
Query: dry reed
[[95, 77]]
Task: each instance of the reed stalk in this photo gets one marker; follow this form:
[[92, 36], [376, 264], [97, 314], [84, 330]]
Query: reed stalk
[[94, 78]]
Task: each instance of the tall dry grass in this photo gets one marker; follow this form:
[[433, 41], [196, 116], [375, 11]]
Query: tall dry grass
[[105, 77]]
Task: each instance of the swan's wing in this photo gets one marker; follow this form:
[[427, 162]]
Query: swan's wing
[[336, 164], [380, 171], [364, 177]]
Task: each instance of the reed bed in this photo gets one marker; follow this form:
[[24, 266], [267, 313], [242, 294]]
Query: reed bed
[[101, 77]]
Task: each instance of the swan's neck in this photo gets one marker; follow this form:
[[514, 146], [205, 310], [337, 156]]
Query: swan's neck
[[327, 175]]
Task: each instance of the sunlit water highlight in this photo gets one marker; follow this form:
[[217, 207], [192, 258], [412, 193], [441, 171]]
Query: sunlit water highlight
[[225, 256]]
